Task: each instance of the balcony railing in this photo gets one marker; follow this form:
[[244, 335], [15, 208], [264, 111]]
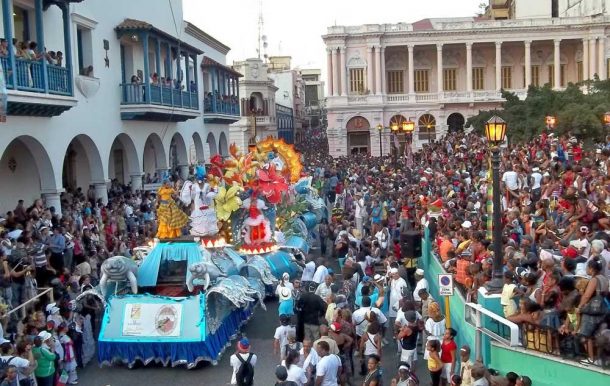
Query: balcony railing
[[135, 94], [30, 77], [220, 106]]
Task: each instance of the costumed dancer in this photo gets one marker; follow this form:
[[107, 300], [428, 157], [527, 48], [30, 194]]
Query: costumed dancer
[[69, 359], [171, 218], [203, 215]]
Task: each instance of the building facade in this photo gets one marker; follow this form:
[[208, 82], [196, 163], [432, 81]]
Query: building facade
[[314, 116], [285, 123], [125, 102], [290, 91], [438, 72], [257, 104]]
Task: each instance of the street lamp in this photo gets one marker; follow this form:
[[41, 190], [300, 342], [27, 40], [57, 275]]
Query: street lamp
[[408, 127], [495, 131], [380, 129], [607, 118], [551, 121]]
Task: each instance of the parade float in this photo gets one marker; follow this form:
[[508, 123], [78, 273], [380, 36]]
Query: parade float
[[252, 217]]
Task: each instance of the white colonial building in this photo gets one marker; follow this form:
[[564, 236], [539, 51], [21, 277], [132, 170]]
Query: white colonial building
[[438, 72], [126, 102]]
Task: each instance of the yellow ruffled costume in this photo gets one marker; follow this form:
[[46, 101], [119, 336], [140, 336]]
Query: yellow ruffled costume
[[170, 218]]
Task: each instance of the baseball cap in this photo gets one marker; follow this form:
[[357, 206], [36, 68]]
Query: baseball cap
[[243, 344], [44, 335], [466, 224]]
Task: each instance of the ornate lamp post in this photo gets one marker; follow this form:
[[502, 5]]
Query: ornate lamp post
[[551, 122], [495, 130], [408, 127], [380, 129], [607, 118], [395, 127]]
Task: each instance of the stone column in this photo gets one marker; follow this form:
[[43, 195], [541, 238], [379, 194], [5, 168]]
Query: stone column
[[383, 81], [498, 66], [369, 69], [585, 59], [53, 199], [101, 191], [136, 182], [335, 73], [469, 67], [528, 63], [343, 65], [183, 171], [411, 70], [601, 57], [439, 69], [592, 63], [378, 70], [557, 64], [329, 69]]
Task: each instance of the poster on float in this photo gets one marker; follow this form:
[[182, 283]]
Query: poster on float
[[152, 320]]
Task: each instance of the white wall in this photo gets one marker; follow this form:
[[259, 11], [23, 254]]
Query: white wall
[[528, 9], [23, 183]]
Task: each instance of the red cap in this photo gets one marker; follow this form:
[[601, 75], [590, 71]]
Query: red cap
[[570, 252]]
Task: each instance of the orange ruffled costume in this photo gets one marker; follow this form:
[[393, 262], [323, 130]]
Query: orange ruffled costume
[[171, 218]]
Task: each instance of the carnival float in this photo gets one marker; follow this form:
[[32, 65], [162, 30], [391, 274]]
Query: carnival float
[[250, 220]]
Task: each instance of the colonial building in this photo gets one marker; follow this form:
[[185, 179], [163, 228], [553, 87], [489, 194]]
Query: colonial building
[[314, 99], [290, 93], [257, 100], [438, 72], [116, 95]]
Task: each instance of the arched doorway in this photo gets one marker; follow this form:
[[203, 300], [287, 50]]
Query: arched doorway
[[395, 126], [197, 155], [178, 156], [154, 157], [358, 135], [427, 127], [223, 147], [26, 171], [82, 164], [211, 141], [256, 104], [455, 122], [123, 160]]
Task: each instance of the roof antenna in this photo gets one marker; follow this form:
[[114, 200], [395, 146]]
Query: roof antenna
[[262, 39]]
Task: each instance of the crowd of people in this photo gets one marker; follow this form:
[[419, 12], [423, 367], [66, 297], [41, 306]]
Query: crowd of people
[[362, 299]]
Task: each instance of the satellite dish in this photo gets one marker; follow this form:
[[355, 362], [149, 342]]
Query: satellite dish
[[265, 45], [264, 38]]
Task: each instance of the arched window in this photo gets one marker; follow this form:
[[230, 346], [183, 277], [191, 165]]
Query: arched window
[[427, 127]]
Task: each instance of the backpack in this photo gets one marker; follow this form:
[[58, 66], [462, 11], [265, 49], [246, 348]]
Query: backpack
[[245, 373], [4, 363]]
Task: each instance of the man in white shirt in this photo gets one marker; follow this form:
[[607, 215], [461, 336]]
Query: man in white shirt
[[358, 212], [510, 179], [421, 283], [321, 272], [324, 289], [243, 350], [23, 366], [359, 317], [535, 180], [329, 366], [308, 272]]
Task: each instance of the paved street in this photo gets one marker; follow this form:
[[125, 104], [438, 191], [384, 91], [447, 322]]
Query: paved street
[[260, 332]]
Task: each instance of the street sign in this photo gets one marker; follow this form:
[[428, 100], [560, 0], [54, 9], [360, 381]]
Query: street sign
[[445, 285]]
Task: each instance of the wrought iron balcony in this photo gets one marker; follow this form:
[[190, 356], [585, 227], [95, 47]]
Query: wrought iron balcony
[[165, 103]]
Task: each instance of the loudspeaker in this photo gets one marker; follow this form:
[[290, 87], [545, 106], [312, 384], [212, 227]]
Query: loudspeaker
[[410, 244]]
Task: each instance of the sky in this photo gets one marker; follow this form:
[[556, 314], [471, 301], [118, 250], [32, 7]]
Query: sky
[[294, 28]]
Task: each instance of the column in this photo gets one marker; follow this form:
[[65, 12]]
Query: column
[[557, 64], [136, 182], [369, 69], [378, 70], [7, 17], [601, 58], [52, 199], [65, 14], [329, 72], [383, 74], [469, 67], [439, 69], [411, 70], [146, 79], [498, 66], [592, 64], [169, 71], [585, 59], [101, 191], [335, 73], [528, 63], [343, 65], [40, 41], [158, 57], [183, 171]]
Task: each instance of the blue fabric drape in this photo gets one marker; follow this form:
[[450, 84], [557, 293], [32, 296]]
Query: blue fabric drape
[[149, 270], [176, 353]]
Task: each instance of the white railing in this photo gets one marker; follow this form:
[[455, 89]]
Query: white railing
[[357, 99], [32, 300], [397, 98], [474, 314], [487, 95], [266, 120], [429, 97]]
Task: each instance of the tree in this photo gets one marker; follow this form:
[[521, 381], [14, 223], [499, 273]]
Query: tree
[[578, 113]]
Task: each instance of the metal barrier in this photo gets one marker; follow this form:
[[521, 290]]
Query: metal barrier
[[32, 300], [474, 314]]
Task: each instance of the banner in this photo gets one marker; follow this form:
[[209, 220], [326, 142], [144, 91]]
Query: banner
[[152, 320]]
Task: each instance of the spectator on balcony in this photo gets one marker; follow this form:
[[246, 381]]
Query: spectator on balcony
[[21, 50], [193, 86], [51, 57], [31, 51], [168, 82], [87, 71], [3, 48], [154, 79], [59, 58]]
